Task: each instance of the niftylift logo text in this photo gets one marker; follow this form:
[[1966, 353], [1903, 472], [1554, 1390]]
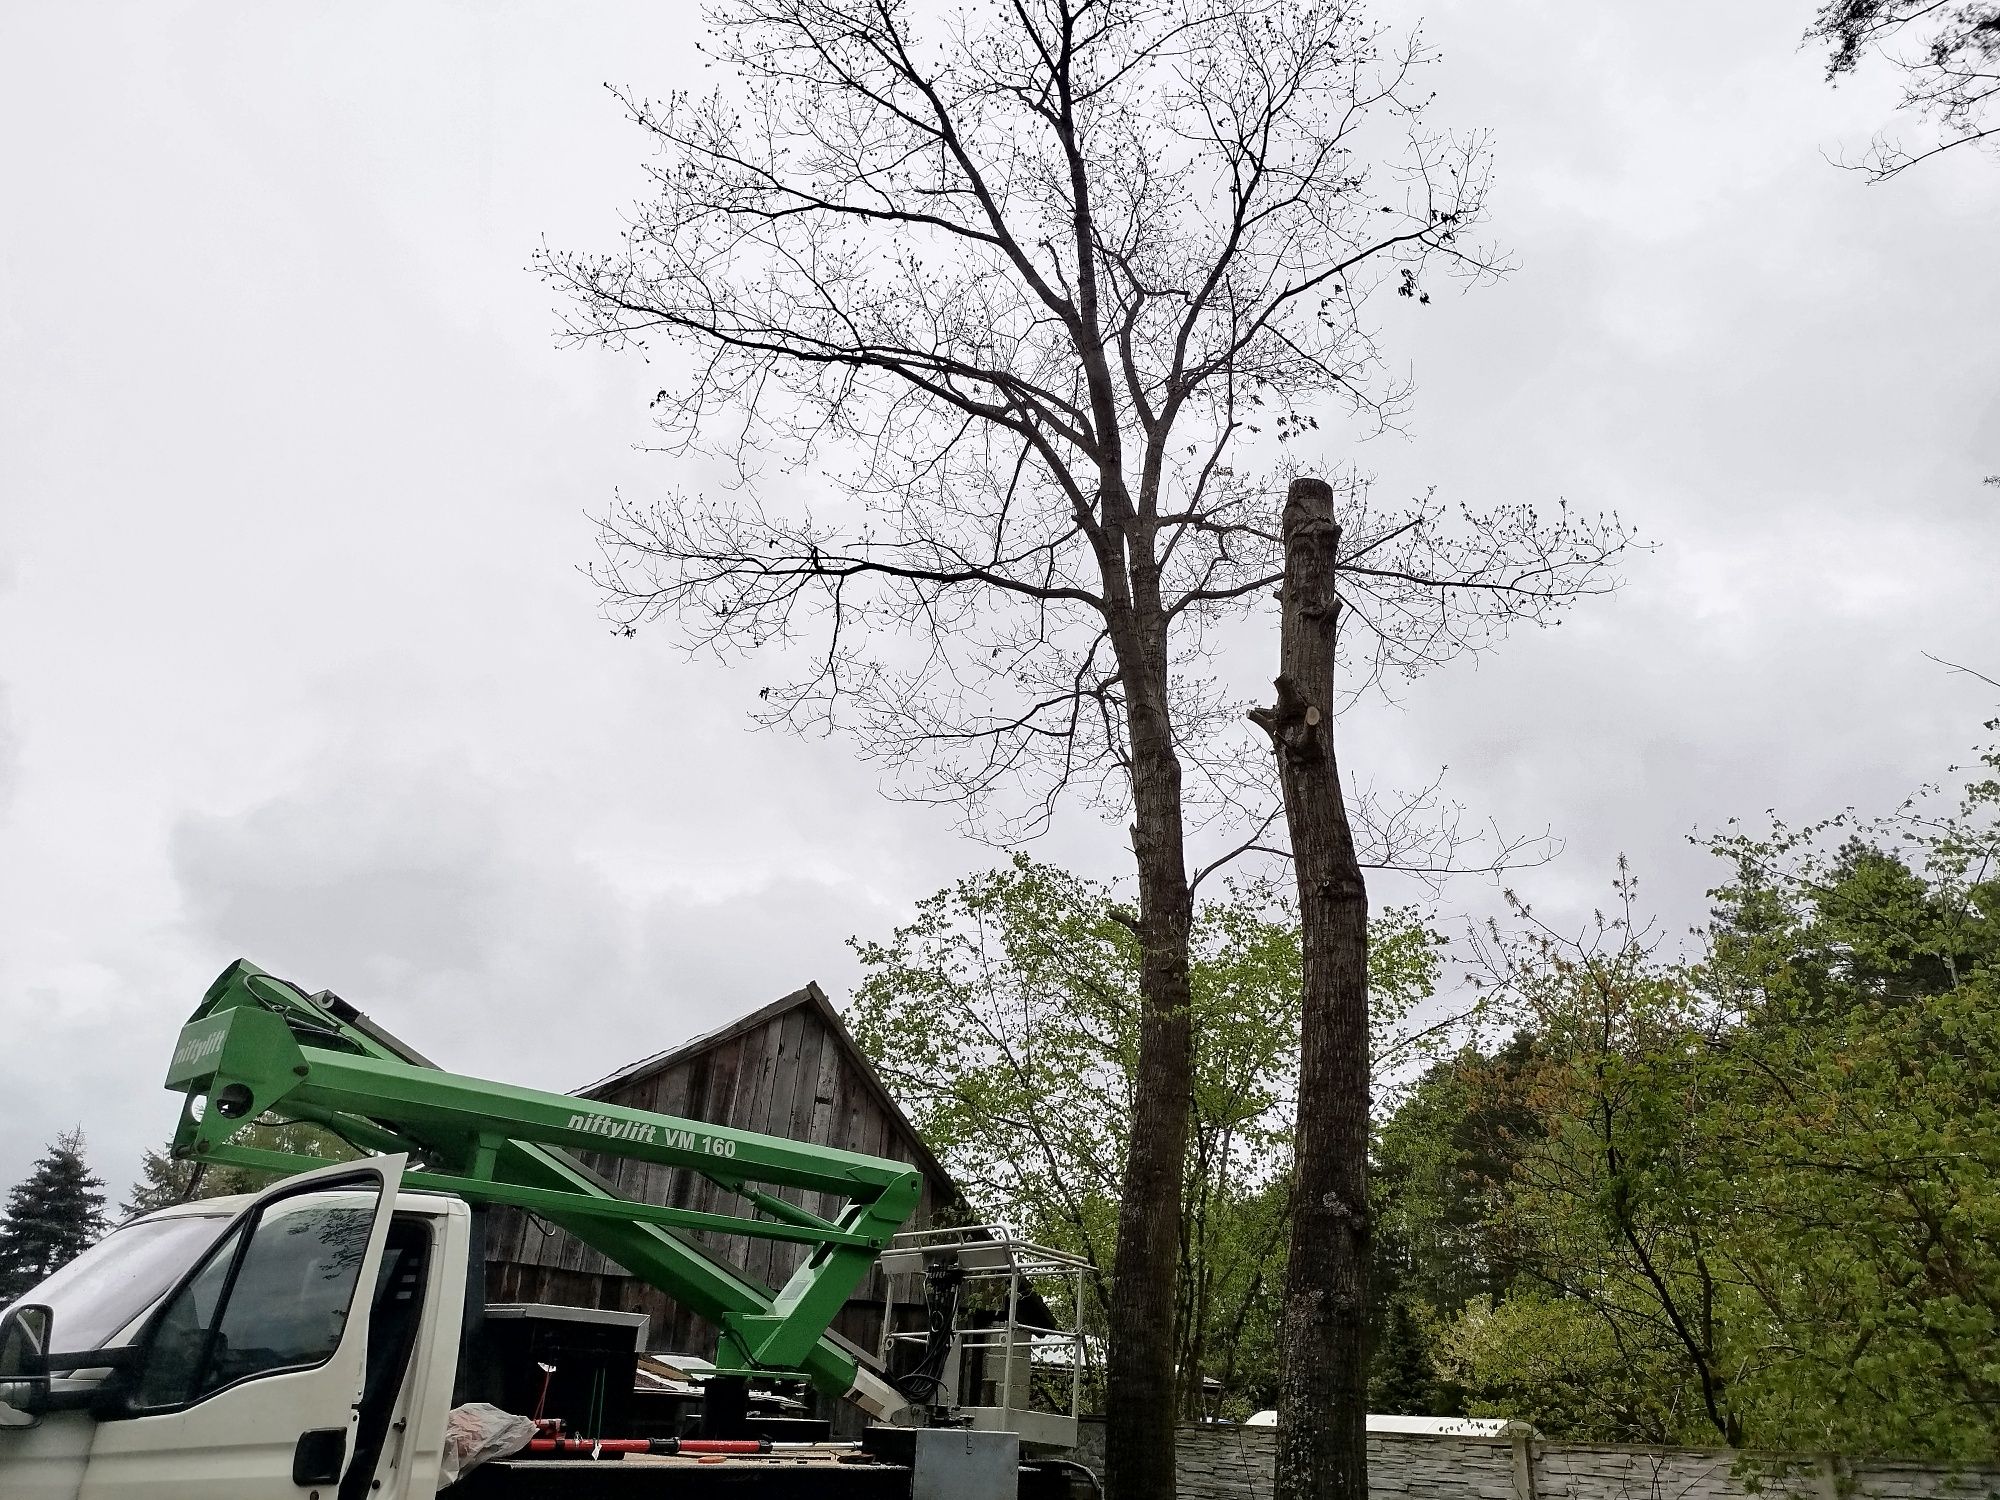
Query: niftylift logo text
[[197, 1050], [648, 1134]]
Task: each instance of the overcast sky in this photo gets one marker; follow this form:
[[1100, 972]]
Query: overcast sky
[[295, 663]]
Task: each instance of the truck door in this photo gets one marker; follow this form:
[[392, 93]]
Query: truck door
[[246, 1379]]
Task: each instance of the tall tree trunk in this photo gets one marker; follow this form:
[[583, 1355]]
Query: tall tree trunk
[[1323, 1376], [1140, 1386]]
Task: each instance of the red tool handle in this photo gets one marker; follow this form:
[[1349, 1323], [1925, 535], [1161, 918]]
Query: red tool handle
[[590, 1447]]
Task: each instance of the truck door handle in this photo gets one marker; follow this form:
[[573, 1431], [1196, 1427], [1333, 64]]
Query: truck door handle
[[320, 1456]]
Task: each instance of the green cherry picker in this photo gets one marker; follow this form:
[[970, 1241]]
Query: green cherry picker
[[316, 1341]]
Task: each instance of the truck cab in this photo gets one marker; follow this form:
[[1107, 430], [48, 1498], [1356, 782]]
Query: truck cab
[[309, 1343], [302, 1341]]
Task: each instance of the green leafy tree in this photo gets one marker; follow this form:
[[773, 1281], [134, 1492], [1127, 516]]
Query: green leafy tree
[[1559, 1363], [1612, 1207], [1768, 1181], [1869, 1149], [52, 1217], [1863, 1113], [1444, 1163], [1006, 1018]]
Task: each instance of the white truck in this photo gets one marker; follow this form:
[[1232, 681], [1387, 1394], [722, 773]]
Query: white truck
[[315, 1341], [224, 1349]]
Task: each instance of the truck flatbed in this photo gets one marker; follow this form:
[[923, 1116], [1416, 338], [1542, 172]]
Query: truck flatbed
[[637, 1477]]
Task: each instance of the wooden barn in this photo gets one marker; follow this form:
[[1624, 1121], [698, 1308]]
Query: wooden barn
[[790, 1069]]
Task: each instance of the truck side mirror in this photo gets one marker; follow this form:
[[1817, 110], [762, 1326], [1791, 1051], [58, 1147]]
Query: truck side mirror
[[24, 1364]]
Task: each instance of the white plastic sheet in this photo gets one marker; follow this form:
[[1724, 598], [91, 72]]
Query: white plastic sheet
[[477, 1432]]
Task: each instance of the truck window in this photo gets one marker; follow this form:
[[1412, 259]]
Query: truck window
[[276, 1300], [122, 1275]]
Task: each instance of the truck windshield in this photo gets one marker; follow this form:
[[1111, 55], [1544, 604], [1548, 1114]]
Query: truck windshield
[[122, 1275]]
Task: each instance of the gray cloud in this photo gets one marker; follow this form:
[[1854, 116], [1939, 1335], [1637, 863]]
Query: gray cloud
[[410, 876], [483, 934], [487, 938]]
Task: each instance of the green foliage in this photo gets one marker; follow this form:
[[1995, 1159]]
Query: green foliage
[[1443, 1164], [1608, 1210], [1861, 1099], [52, 1217], [1845, 911], [1751, 1195], [1756, 1197], [1873, 1269], [1556, 1363], [1402, 1374], [1006, 1019]]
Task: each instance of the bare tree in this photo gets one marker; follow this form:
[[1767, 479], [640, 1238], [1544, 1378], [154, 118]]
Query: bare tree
[[983, 316], [1948, 52]]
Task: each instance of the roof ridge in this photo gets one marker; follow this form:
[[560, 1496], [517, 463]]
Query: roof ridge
[[702, 1041], [810, 994]]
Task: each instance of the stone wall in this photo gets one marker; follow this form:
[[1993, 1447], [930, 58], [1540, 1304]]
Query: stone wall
[[1234, 1463]]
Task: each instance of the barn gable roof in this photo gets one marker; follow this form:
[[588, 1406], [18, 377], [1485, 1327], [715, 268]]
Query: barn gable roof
[[811, 996]]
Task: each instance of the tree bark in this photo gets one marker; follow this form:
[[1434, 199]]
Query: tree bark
[[1322, 1451], [1140, 1385]]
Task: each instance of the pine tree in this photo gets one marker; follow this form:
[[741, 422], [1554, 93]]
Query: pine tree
[[1402, 1379], [162, 1181], [52, 1217]]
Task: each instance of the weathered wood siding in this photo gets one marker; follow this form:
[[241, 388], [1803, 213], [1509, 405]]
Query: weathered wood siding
[[795, 1073]]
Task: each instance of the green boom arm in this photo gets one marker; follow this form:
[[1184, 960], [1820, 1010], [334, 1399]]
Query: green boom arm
[[257, 1043]]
